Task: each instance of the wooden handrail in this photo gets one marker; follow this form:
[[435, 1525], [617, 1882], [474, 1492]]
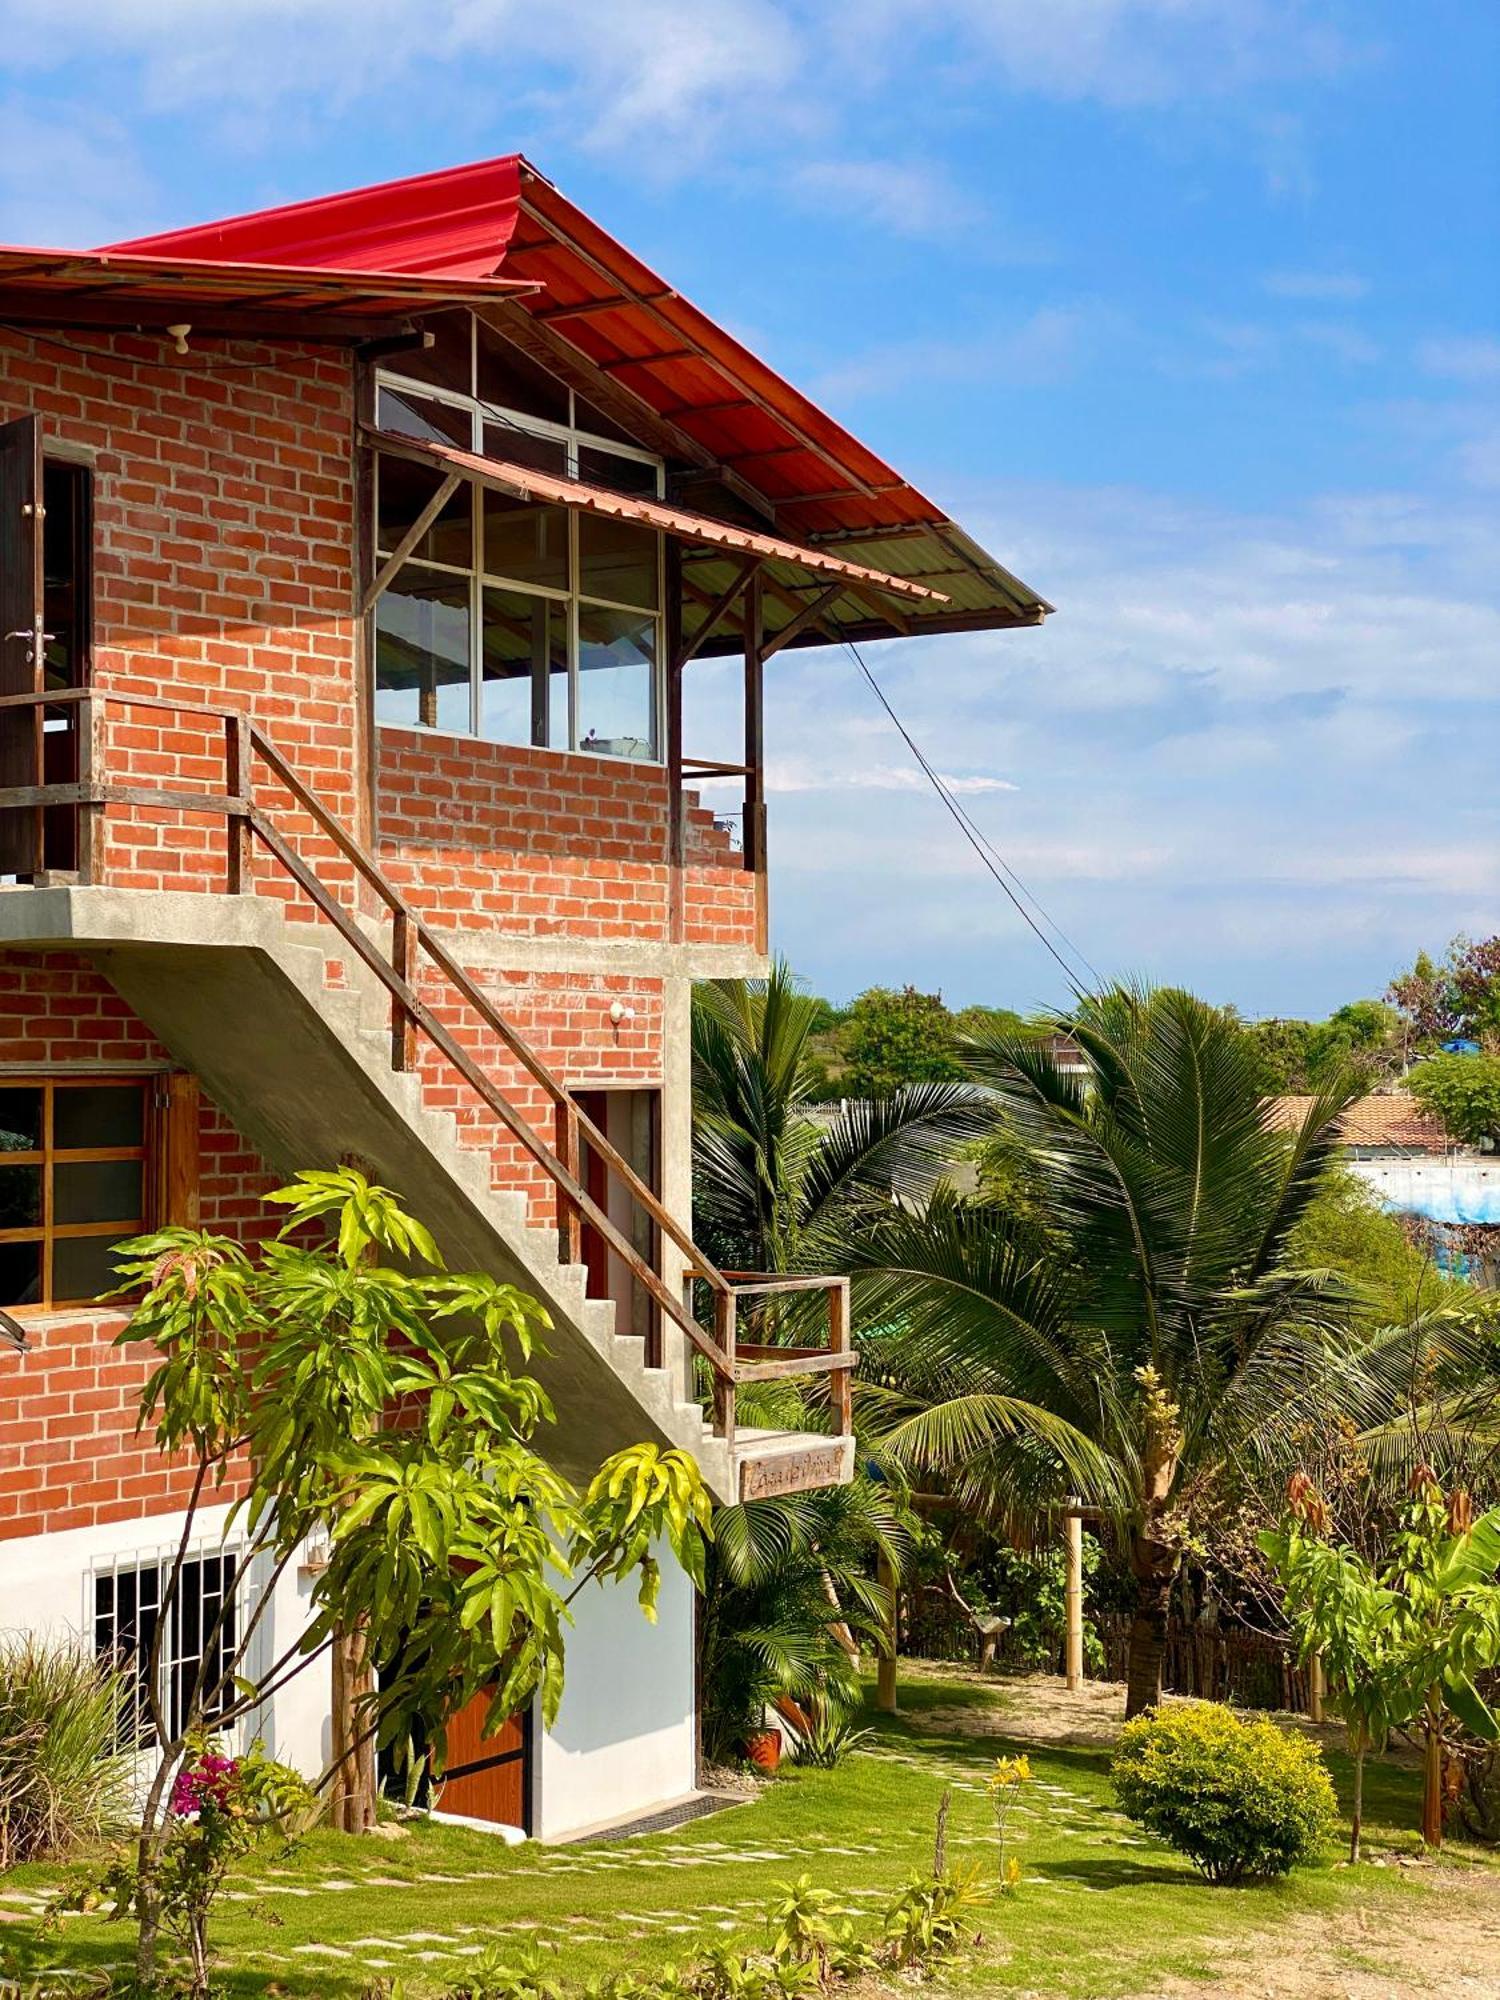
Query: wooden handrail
[[244, 743]]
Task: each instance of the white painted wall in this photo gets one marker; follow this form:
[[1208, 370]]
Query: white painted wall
[[1446, 1188], [46, 1587], [625, 1739]]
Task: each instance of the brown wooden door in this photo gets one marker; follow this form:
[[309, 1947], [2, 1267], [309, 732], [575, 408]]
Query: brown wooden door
[[22, 640], [488, 1777]]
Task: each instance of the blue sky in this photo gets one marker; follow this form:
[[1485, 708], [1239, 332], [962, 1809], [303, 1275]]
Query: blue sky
[[1190, 309]]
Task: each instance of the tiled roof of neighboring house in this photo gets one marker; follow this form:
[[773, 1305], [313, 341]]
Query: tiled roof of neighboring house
[[1388, 1118]]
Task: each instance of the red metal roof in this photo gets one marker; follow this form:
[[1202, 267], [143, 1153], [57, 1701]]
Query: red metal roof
[[524, 482], [453, 224], [733, 412], [118, 287]]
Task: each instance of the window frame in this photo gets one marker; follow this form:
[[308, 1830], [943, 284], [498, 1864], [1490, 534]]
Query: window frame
[[573, 439], [244, 1594], [48, 1231]]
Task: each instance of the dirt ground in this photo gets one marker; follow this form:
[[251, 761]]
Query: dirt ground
[[1447, 1946]]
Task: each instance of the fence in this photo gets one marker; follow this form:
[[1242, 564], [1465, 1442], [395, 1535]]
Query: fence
[[1215, 1663]]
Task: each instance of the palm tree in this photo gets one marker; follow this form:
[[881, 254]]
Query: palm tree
[[776, 1186], [1149, 1312], [788, 1600]]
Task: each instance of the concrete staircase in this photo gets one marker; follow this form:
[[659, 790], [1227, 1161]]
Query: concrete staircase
[[301, 1063]]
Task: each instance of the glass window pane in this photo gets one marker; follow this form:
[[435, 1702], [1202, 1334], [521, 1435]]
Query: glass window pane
[[20, 1197], [589, 417], [83, 1267], [524, 669], [449, 362], [20, 1274], [104, 1114], [20, 1120], [404, 490], [621, 475], [525, 542], [516, 382], [616, 682], [617, 560], [96, 1191], [424, 417], [513, 444], [422, 651]]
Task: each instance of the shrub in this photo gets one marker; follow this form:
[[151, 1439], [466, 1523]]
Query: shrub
[[62, 1782], [1239, 1799]]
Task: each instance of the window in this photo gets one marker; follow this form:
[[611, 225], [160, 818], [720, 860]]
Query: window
[[203, 1628], [515, 622], [72, 1185]]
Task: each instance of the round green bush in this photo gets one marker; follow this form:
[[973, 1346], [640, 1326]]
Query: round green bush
[[1242, 1800]]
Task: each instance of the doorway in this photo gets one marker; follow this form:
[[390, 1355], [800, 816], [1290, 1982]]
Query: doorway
[[631, 1121]]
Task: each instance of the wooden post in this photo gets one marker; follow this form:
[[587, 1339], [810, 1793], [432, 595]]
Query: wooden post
[[90, 727], [1316, 1687], [754, 832], [885, 1665], [672, 585], [841, 1382], [239, 783], [403, 964], [724, 1330], [1073, 1593], [353, 1796], [570, 1152]]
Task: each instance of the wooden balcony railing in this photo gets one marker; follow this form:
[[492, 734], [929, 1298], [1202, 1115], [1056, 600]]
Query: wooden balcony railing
[[247, 753]]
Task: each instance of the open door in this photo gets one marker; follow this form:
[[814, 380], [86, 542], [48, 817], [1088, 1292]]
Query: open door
[[23, 640]]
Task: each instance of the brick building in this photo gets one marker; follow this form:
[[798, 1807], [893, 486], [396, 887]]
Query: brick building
[[353, 557]]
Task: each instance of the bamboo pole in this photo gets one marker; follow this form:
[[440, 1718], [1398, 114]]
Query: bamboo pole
[[1073, 1593]]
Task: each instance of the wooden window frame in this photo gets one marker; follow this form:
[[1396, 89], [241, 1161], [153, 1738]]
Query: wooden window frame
[[168, 1157]]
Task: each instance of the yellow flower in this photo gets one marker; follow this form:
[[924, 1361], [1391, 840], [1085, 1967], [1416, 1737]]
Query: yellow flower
[[1012, 1872], [1010, 1771]]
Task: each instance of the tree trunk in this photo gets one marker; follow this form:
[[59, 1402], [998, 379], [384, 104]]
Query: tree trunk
[[1432, 1772], [352, 1798], [1154, 1567], [1356, 1818]]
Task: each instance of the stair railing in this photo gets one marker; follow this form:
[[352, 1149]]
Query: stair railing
[[246, 746]]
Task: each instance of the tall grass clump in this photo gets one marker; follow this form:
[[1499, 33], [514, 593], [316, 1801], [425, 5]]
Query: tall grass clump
[[63, 1782]]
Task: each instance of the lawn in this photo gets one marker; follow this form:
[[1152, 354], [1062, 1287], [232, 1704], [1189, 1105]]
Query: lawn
[[1103, 1908]]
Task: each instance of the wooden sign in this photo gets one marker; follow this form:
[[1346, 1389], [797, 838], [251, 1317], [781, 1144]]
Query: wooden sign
[[793, 1471]]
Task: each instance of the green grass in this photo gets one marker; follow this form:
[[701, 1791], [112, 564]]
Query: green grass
[[1103, 1907]]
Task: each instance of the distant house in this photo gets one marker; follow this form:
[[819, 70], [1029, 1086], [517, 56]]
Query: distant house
[[1406, 1156]]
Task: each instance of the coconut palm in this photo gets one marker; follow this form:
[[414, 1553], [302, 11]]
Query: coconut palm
[[777, 1182], [1149, 1311]]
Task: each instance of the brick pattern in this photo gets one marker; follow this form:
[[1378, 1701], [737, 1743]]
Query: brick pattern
[[69, 1457], [488, 835], [564, 1017], [224, 533]]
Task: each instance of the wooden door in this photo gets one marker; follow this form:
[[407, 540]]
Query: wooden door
[[488, 1777], [22, 639]]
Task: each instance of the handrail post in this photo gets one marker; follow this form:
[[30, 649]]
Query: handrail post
[[90, 727], [724, 1329], [570, 1152], [841, 1381], [403, 964], [239, 783]]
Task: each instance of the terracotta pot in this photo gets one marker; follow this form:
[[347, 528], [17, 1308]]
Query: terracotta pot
[[763, 1748]]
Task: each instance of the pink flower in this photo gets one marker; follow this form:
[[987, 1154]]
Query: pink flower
[[209, 1782]]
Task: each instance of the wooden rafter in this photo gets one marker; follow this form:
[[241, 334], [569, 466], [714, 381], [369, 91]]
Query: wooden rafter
[[388, 569]]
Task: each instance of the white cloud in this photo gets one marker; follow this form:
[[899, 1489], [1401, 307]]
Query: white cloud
[[1047, 346], [1461, 358], [911, 198], [67, 179], [1330, 287]]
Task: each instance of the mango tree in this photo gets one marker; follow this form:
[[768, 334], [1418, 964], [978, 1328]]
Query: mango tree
[[354, 1395]]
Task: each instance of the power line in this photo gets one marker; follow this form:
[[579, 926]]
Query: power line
[[992, 860]]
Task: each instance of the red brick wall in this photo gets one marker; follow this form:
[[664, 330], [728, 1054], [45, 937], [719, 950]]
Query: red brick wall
[[487, 836], [68, 1453], [224, 534]]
